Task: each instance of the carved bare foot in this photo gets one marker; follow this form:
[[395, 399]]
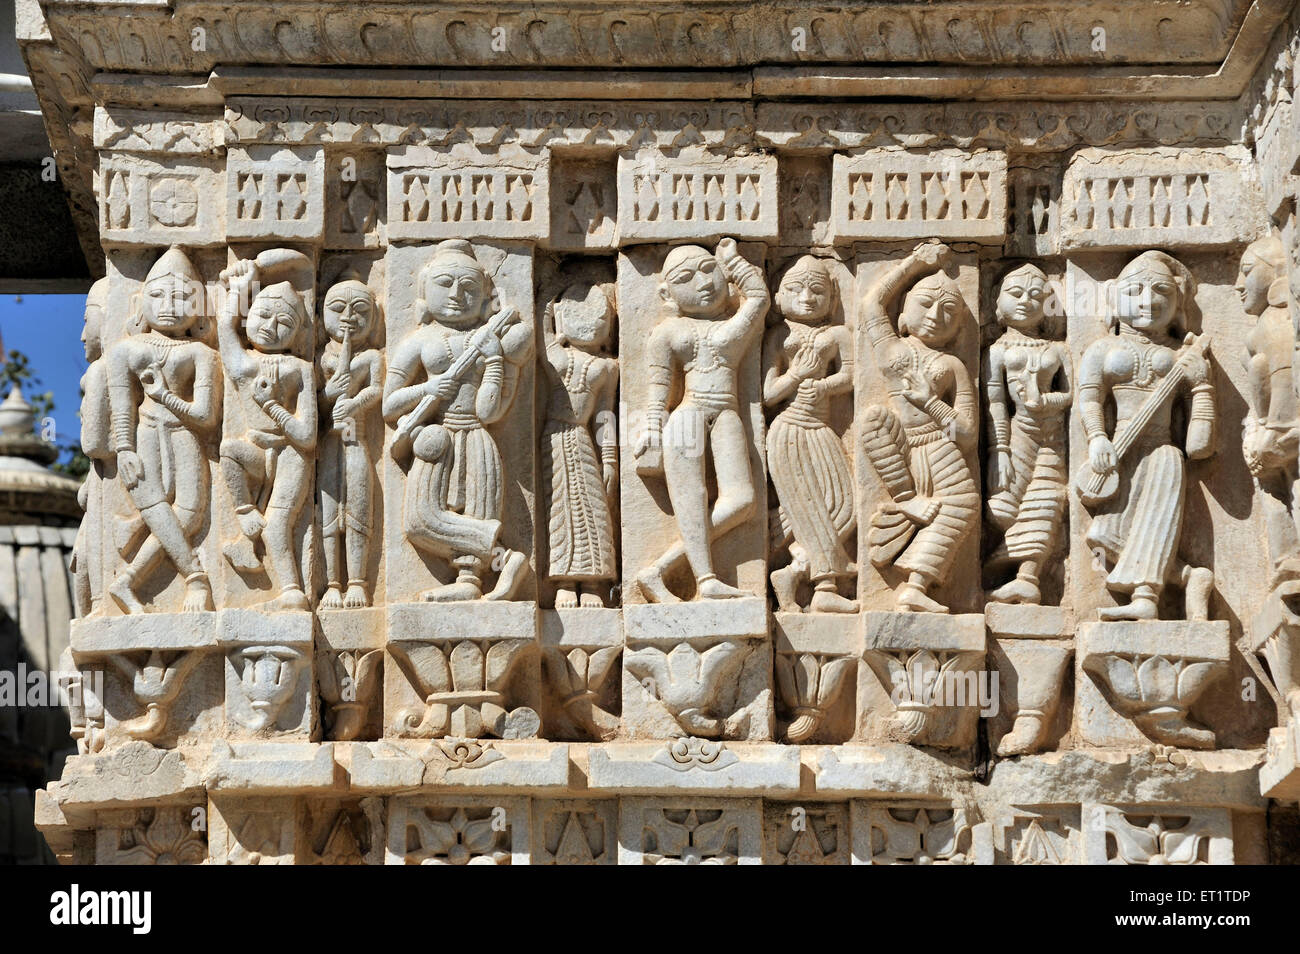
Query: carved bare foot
[[333, 598], [1023, 737], [356, 596], [1018, 590], [785, 582], [512, 574], [920, 510], [453, 592], [910, 598], [712, 588], [1198, 583], [120, 590], [566, 597], [653, 587], [291, 599], [828, 601], [198, 594], [242, 554], [588, 599]]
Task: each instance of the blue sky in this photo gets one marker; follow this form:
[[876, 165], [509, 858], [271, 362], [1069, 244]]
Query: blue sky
[[47, 328]]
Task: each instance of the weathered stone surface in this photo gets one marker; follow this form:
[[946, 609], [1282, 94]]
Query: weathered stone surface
[[433, 415]]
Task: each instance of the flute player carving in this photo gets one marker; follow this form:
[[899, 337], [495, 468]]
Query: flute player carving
[[1137, 473], [448, 380], [700, 344]]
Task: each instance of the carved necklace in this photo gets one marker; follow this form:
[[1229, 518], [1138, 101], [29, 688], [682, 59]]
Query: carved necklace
[[161, 345], [919, 363], [1144, 374], [704, 342], [579, 362], [1017, 338]]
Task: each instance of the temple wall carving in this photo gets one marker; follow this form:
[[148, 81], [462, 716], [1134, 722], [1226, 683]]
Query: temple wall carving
[[577, 480]]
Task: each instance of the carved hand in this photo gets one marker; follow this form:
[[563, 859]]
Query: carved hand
[[129, 468], [809, 391], [151, 380], [339, 385], [238, 278], [648, 451], [1101, 455], [442, 387], [805, 364], [486, 343], [1001, 471], [932, 254], [917, 391]]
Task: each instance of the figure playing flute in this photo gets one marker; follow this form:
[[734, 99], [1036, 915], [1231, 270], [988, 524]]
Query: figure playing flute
[[353, 371]]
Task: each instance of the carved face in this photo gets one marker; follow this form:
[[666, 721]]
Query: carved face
[[455, 294], [90, 332], [806, 292], [350, 307], [931, 311], [1146, 299], [170, 304], [582, 316], [1021, 300], [1254, 278], [693, 281], [272, 323]]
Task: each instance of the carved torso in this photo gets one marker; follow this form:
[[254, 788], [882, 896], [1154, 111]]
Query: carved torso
[[709, 353], [1133, 368], [909, 362], [1031, 366], [578, 377], [179, 361]]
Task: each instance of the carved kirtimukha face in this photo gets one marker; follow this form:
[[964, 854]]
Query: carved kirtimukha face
[[170, 303], [932, 311], [582, 316], [274, 319], [349, 307], [806, 292], [694, 282], [1021, 299], [1261, 265], [1146, 297]]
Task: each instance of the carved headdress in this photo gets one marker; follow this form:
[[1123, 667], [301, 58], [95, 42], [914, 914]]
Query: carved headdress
[[175, 264], [454, 252], [1152, 263]]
